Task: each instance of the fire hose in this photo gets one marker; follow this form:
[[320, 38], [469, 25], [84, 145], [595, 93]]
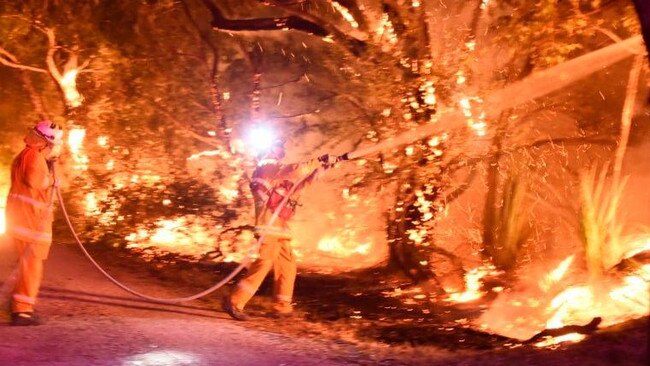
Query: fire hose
[[203, 293]]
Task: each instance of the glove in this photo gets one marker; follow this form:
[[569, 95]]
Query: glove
[[327, 161], [50, 164]]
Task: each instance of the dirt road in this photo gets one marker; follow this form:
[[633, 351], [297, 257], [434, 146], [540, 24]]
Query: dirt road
[[89, 321]]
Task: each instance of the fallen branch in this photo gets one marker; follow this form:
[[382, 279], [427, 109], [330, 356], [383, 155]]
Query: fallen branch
[[587, 329]]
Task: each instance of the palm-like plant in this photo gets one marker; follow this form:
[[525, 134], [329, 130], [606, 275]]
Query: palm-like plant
[[600, 226], [511, 229]]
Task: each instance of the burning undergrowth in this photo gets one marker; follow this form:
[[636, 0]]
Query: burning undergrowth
[[164, 210]]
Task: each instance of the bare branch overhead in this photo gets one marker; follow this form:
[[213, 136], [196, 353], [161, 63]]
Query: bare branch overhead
[[300, 21]]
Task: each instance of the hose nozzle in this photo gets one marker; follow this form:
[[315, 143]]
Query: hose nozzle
[[343, 157]]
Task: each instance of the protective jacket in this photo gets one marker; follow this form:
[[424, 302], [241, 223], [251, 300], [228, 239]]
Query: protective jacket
[[270, 184], [29, 211]]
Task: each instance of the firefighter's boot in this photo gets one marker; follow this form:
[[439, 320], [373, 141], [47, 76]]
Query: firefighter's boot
[[282, 309], [25, 319], [234, 313]]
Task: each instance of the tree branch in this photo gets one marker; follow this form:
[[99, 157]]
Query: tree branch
[[215, 95], [453, 195], [299, 21], [8, 59]]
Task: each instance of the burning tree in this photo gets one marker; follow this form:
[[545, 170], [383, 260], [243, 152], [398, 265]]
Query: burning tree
[[158, 115]]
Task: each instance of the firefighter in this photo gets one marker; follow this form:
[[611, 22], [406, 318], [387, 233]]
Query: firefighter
[[30, 215], [270, 183]]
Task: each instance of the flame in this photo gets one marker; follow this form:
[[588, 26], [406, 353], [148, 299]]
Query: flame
[[460, 79], [551, 341], [473, 285], [76, 138], [643, 245], [220, 153], [556, 275], [68, 84], [91, 204], [555, 304], [102, 141], [338, 248], [345, 13], [428, 91], [385, 28], [190, 235], [229, 191], [478, 125]]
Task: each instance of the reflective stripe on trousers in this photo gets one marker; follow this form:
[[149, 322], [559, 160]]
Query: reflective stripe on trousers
[[276, 255], [30, 274], [30, 235]]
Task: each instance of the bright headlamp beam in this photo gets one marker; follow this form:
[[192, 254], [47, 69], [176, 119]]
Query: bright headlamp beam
[[261, 138]]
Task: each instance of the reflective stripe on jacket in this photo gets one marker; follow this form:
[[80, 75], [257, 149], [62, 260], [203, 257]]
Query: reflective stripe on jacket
[[29, 212]]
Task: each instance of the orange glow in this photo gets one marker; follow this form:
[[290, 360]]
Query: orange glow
[[92, 207], [76, 138], [473, 285], [102, 141], [385, 30], [639, 246], [477, 123], [190, 235], [338, 248], [558, 301], [345, 14], [551, 341], [556, 275], [68, 84]]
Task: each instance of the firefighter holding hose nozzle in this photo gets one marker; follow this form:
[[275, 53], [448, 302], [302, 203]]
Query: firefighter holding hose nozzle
[[271, 182], [30, 215]]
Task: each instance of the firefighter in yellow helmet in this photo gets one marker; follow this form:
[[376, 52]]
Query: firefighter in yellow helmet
[[30, 215], [271, 182]]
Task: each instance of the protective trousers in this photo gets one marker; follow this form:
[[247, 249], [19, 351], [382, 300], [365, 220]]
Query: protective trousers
[[30, 273], [275, 253]]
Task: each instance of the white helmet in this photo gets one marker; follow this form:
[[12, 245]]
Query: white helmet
[[50, 131]]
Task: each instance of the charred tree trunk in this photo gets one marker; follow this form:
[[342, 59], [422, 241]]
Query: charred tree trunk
[[643, 9]]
